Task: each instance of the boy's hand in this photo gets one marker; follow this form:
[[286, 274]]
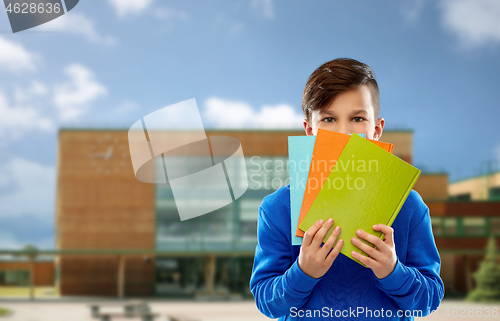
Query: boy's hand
[[382, 259], [315, 260]]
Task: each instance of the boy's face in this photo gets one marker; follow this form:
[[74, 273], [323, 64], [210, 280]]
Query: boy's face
[[352, 111]]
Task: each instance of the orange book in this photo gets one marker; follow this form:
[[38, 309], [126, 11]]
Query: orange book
[[327, 149]]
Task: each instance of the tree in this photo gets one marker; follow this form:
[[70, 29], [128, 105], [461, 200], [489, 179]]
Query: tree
[[487, 277], [29, 248]]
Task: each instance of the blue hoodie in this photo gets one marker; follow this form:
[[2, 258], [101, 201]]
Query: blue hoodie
[[348, 291]]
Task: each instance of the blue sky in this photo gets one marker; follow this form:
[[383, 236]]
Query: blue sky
[[107, 63]]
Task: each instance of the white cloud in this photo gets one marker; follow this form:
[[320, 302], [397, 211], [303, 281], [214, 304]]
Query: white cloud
[[128, 7], [223, 113], [27, 94], [475, 22], [37, 88], [263, 7], [77, 24], [14, 57], [72, 98], [20, 118], [30, 189]]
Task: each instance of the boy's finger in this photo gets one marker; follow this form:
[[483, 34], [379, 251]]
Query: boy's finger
[[387, 230], [381, 246], [330, 241], [320, 235], [369, 262], [310, 232], [377, 255], [335, 251]]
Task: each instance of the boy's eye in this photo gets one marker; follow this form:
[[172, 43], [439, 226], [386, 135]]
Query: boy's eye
[[328, 119], [358, 119]]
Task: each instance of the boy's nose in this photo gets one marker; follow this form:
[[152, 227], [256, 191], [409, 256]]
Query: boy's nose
[[344, 129]]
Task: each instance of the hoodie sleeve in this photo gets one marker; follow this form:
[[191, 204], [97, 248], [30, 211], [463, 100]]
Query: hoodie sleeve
[[277, 283], [416, 285]]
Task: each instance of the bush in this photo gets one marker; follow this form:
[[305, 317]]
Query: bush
[[4, 312], [487, 277]]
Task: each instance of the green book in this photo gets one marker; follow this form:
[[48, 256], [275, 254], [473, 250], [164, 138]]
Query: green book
[[367, 186]]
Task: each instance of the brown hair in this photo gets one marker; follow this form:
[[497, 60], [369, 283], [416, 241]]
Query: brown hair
[[335, 77]]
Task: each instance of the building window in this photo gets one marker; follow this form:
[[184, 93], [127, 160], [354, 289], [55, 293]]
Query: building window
[[494, 194], [436, 226], [460, 197], [474, 226], [171, 231], [450, 226], [16, 277], [249, 231], [214, 231], [268, 173], [495, 226], [465, 226], [249, 213]]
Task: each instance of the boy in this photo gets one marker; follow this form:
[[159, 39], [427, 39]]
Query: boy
[[312, 281]]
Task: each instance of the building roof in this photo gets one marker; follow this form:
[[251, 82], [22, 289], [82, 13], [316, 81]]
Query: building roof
[[474, 177]]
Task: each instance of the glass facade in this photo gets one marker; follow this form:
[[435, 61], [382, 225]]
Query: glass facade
[[230, 229], [15, 277], [466, 226]]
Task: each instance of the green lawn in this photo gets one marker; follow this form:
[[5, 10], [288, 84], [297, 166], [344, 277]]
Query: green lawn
[[4, 311], [24, 291]]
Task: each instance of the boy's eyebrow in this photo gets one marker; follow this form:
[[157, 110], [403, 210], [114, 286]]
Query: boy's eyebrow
[[324, 112], [359, 111], [354, 112]]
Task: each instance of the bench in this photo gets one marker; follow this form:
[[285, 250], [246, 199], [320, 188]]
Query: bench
[[130, 309], [147, 316]]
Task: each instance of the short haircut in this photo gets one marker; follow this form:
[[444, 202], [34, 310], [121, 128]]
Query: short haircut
[[335, 77]]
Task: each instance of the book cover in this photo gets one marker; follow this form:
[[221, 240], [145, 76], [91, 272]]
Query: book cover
[[300, 150], [367, 186], [327, 149]]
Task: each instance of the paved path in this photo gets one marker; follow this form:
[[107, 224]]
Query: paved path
[[212, 311]]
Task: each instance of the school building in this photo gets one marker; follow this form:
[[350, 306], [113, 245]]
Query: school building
[[117, 236], [484, 187]]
